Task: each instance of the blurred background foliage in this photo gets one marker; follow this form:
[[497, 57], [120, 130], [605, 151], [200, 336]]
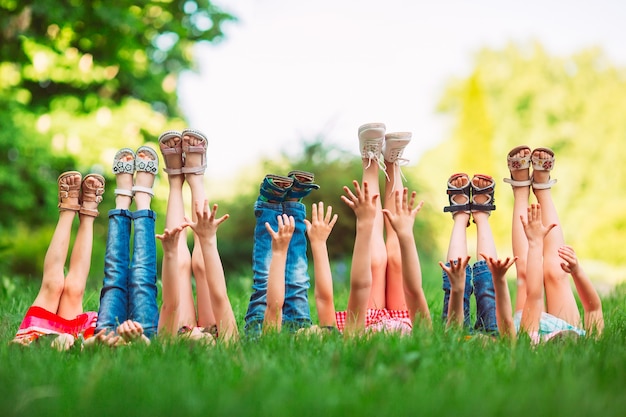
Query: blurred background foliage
[[79, 80]]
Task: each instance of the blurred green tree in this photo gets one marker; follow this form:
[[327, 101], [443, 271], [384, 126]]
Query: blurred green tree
[[574, 105], [79, 80]]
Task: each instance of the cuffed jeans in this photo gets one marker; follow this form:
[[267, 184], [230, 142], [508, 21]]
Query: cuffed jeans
[[129, 290], [296, 311], [478, 280]]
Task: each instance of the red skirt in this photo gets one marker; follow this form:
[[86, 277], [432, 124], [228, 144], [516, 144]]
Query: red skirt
[[40, 322]]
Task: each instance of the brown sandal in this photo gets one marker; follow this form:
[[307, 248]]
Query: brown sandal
[[90, 193], [66, 191]]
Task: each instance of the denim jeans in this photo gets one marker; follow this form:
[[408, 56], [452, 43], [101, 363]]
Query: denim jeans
[[129, 290], [478, 280], [296, 311]]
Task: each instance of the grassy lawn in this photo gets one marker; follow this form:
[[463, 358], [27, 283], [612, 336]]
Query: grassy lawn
[[430, 373]]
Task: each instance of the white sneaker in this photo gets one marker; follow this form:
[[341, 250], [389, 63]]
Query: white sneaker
[[371, 137], [394, 147]]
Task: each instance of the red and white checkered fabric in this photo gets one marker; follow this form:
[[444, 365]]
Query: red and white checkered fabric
[[380, 320]]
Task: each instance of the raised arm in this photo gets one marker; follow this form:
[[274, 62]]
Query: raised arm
[[592, 305], [364, 206], [206, 230], [456, 275], [504, 309], [402, 221], [535, 232], [318, 230], [276, 275]]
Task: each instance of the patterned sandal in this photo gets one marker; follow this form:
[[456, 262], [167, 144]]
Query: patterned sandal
[[171, 150], [302, 185], [66, 191], [463, 191], [201, 149], [546, 164], [121, 166], [149, 165], [272, 192], [90, 193], [489, 190], [516, 163]]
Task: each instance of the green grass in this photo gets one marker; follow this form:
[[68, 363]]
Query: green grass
[[431, 373]]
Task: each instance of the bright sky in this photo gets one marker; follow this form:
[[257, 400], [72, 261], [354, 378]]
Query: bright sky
[[292, 70]]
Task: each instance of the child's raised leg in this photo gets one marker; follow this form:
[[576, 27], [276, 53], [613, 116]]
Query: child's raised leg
[[195, 164], [371, 138], [71, 302], [53, 279], [458, 191], [392, 152], [484, 291], [518, 161], [560, 299]]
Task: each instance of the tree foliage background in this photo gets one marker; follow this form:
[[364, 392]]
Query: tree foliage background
[[79, 80]]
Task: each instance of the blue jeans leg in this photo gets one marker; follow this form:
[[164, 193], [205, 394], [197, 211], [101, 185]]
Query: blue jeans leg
[[142, 297], [114, 294], [466, 296], [485, 298], [261, 258], [296, 310]]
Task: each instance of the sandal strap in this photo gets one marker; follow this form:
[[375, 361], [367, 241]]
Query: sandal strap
[[121, 191], [143, 189], [89, 212], [518, 183], [544, 185], [150, 166]]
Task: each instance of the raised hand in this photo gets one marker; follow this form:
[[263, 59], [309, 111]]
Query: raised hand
[[282, 237], [456, 271], [403, 216], [169, 238], [360, 201], [570, 260], [320, 226], [208, 222], [498, 267], [534, 228]]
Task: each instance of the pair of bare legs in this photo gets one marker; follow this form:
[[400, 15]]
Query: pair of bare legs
[[559, 297], [59, 293], [178, 309], [383, 151]]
